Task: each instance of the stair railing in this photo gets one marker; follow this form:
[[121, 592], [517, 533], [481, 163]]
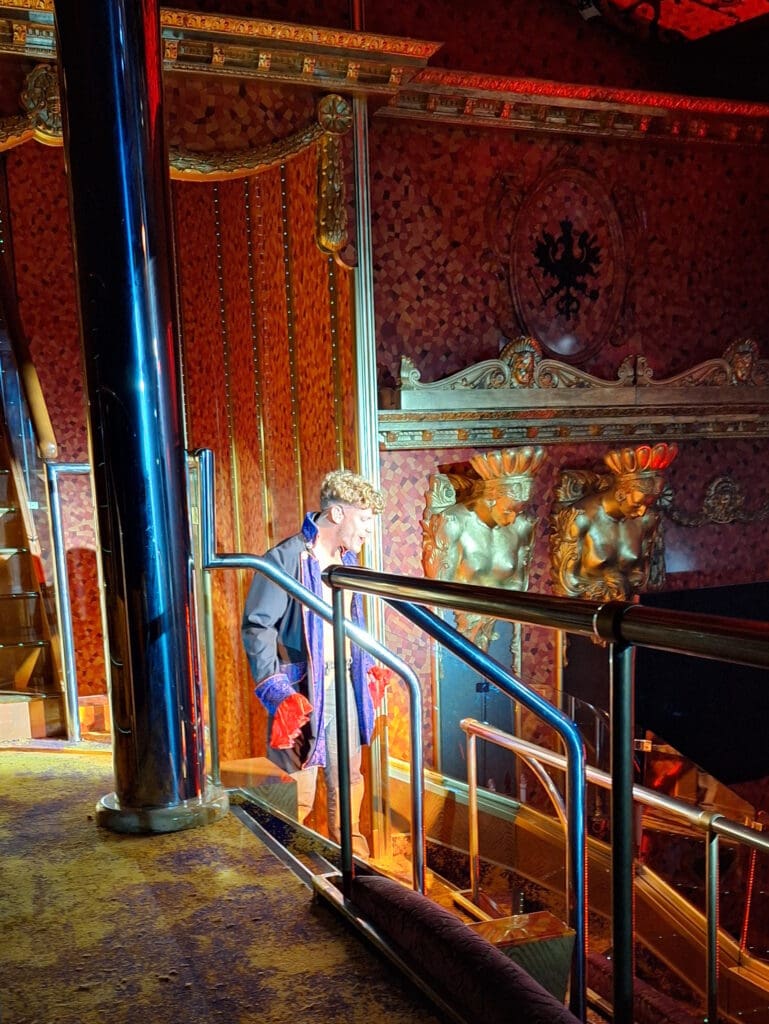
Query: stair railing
[[34, 449], [620, 626], [343, 628], [395, 590], [712, 824]]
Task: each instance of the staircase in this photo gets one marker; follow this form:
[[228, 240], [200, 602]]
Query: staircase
[[31, 689]]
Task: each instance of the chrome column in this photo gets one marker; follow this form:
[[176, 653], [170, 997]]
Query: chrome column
[[117, 162]]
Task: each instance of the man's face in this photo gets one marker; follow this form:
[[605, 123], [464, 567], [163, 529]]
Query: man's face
[[355, 527]]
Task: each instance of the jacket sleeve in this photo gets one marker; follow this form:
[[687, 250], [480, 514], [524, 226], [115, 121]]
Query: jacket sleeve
[[266, 605]]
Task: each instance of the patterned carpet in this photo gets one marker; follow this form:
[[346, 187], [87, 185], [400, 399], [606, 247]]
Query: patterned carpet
[[199, 926]]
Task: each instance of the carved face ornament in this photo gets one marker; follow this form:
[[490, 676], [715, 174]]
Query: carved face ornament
[[635, 494]]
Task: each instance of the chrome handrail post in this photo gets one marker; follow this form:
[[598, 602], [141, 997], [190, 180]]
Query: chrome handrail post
[[472, 816], [207, 540], [343, 741], [53, 470], [711, 918], [622, 831], [480, 662]]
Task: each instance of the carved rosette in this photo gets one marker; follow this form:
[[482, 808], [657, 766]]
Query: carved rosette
[[335, 119], [40, 98]]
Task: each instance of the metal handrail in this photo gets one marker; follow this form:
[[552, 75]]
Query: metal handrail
[[713, 824], [620, 625], [348, 577], [739, 641], [210, 559]]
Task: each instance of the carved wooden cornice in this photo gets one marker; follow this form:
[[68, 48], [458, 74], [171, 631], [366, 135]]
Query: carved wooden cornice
[[487, 428], [327, 58], [477, 100], [337, 60], [483, 406]]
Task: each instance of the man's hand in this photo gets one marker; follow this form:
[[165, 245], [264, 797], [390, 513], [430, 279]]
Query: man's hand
[[379, 678], [291, 714]]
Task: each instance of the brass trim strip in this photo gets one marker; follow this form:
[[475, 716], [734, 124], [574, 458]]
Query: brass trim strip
[[253, 305], [335, 367], [293, 370], [235, 495]]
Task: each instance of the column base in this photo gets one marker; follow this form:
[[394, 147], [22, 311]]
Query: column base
[[204, 810]]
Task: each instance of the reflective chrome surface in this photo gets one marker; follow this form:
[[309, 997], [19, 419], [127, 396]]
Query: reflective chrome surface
[[116, 161]]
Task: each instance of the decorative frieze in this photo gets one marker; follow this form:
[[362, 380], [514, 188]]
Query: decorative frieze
[[500, 402], [396, 68]]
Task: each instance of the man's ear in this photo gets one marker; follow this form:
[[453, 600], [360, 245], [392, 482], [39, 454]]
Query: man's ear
[[335, 514]]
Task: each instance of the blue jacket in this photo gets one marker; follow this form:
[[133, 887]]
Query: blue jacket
[[284, 643]]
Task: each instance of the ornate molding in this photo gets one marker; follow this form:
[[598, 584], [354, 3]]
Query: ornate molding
[[42, 121], [335, 117], [724, 503], [218, 166], [479, 100], [487, 405], [336, 60], [487, 428], [325, 58]]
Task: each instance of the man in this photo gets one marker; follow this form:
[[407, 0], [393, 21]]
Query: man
[[290, 651]]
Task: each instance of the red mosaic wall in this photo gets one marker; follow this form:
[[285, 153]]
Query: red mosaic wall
[[695, 284], [45, 276], [448, 306]]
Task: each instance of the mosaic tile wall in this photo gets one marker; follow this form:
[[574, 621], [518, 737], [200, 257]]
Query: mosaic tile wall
[[694, 285], [48, 307], [448, 306]]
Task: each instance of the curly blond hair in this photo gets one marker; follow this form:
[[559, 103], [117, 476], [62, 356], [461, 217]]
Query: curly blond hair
[[342, 486]]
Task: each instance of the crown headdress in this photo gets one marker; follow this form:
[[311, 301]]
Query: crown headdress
[[645, 460], [508, 462]]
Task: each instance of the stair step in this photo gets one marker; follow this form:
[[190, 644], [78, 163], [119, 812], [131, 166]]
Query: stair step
[[17, 570], [21, 618], [538, 942], [22, 717], [25, 664], [94, 715]]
